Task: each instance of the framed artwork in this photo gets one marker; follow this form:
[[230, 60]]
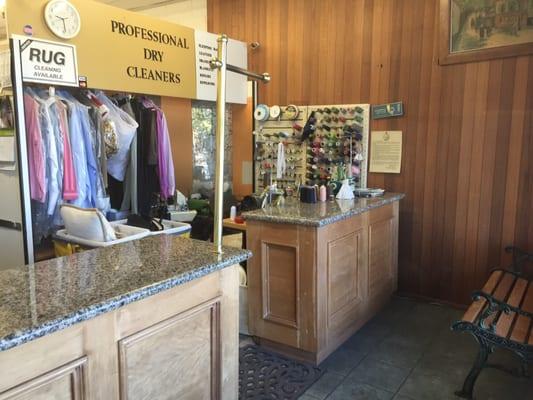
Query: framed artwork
[[478, 30]]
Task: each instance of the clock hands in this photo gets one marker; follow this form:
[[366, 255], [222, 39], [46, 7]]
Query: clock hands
[[64, 24]]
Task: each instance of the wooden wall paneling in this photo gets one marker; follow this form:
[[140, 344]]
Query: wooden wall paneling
[[501, 154], [179, 120], [516, 142], [242, 143], [488, 168], [524, 228], [463, 178], [416, 214], [465, 200], [476, 167], [451, 178]]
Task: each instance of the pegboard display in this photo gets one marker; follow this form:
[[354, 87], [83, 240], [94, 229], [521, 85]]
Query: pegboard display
[[268, 133], [340, 141], [323, 143]]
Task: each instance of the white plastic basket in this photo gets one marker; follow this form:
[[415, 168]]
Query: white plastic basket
[[125, 233], [171, 227]]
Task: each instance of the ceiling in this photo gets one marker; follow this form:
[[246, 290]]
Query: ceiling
[[138, 5]]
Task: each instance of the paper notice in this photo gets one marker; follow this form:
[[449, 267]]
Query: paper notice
[[386, 152], [7, 148]]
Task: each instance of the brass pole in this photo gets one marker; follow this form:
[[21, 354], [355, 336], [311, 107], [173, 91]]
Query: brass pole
[[220, 132]]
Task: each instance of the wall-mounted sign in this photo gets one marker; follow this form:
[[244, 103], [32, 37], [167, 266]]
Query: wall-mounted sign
[[127, 51], [206, 78], [386, 152], [387, 110], [47, 62]]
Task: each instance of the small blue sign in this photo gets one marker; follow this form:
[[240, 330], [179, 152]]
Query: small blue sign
[[387, 110]]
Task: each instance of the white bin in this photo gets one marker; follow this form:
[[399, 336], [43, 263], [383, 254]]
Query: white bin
[[124, 234], [170, 227]]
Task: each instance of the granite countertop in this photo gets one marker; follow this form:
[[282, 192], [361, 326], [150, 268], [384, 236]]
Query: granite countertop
[[42, 298], [321, 213]]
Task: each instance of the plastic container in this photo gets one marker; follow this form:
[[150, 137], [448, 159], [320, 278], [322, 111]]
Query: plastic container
[[124, 234], [173, 228], [182, 216]]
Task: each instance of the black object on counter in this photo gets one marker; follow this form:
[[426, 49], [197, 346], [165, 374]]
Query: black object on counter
[[308, 194]]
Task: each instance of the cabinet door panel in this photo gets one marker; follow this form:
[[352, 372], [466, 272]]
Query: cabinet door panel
[[64, 383], [280, 284], [175, 359], [345, 281], [381, 266]]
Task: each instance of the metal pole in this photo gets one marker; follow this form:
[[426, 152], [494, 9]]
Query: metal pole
[[220, 131]]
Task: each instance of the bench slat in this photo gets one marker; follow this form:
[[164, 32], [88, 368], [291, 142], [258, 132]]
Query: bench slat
[[477, 306], [521, 329], [515, 299], [501, 292]]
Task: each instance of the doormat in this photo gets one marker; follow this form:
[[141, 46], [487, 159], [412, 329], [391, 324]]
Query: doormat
[[265, 376]]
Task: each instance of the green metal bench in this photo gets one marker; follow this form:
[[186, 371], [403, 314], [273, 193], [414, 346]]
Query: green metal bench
[[501, 315]]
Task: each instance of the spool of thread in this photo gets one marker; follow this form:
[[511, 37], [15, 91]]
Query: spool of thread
[[322, 194]]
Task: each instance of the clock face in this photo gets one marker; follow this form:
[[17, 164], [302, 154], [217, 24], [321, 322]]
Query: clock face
[[62, 18]]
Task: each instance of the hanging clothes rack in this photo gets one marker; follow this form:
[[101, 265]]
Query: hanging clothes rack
[[221, 66]]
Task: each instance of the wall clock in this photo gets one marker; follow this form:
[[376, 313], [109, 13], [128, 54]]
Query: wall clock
[[62, 18]]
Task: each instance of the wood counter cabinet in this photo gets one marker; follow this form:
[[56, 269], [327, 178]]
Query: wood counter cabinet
[[311, 287], [181, 343]]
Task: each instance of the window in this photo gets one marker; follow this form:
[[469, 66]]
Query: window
[[203, 131]]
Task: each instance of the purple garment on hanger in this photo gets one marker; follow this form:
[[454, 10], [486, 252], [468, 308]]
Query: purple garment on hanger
[[164, 154]]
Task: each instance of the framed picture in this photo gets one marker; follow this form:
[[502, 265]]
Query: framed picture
[[478, 30]]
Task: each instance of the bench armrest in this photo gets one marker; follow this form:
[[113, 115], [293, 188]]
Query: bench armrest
[[520, 258], [493, 307]]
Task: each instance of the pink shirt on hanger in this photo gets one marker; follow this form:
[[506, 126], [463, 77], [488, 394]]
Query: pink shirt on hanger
[[35, 144], [70, 191]]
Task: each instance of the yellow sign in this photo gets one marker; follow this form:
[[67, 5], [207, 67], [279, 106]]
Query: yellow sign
[[386, 152], [118, 49]]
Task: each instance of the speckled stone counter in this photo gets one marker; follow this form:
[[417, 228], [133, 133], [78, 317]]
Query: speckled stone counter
[[321, 213], [45, 297]]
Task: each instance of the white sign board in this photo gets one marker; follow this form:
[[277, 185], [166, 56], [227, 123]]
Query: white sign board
[[206, 78], [386, 152], [47, 62]]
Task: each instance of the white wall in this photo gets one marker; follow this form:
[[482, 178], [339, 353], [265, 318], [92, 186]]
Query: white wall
[[191, 13]]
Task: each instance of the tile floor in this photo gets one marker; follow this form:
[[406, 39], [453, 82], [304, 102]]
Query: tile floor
[[408, 352]]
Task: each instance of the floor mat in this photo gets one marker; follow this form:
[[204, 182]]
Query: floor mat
[[264, 375]]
